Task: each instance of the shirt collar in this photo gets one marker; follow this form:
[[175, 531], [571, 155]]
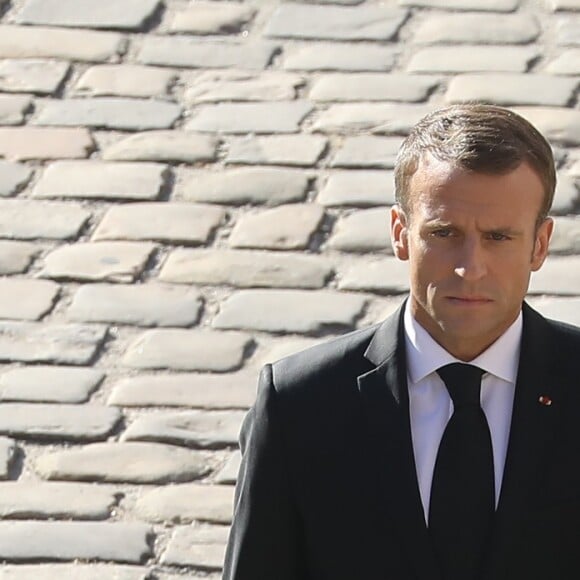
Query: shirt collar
[[425, 356]]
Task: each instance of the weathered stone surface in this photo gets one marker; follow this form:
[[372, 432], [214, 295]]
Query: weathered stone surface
[[339, 57], [111, 541], [567, 63], [205, 391], [143, 305], [512, 89], [72, 344], [330, 23], [447, 59], [32, 76], [362, 231], [566, 195], [109, 113], [567, 31], [372, 87], [367, 152], [563, 5], [228, 85], [184, 223], [72, 572], [203, 547], [190, 52], [13, 108], [559, 125], [211, 18], [288, 227], [200, 350], [558, 275], [99, 261], [254, 185], [184, 146], [564, 309], [29, 220], [25, 143], [289, 311], [34, 500], [26, 299], [40, 42], [228, 475], [358, 188], [186, 503], [127, 80], [15, 257], [478, 29], [274, 117], [44, 384], [476, 5], [385, 276], [277, 348], [131, 462], [116, 14], [296, 150], [13, 176], [245, 269], [575, 169], [374, 118], [7, 451]]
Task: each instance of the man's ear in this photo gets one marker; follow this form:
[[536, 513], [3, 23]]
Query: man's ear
[[541, 244], [399, 233]]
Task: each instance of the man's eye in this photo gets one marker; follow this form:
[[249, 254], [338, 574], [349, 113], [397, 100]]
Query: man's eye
[[498, 237], [441, 233]]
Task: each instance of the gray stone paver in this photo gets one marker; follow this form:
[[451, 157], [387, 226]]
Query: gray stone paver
[[564, 5], [211, 18], [563, 309], [567, 63], [566, 236], [15, 257], [31, 76], [12, 177], [7, 452], [362, 231], [72, 572], [567, 31], [557, 124], [26, 299], [367, 152], [386, 276], [228, 475], [490, 5], [357, 188], [13, 108], [560, 275], [202, 547], [567, 193]]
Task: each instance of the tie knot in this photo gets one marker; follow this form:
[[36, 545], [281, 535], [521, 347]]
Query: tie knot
[[463, 382]]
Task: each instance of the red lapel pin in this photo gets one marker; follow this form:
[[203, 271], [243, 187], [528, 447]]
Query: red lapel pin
[[544, 400]]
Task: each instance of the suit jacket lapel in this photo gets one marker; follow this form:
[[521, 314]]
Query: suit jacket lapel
[[385, 399]]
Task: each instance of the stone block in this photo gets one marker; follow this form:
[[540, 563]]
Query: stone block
[[29, 220], [200, 429], [512, 89], [287, 311], [108, 14], [295, 150], [176, 146], [557, 124], [334, 23], [7, 453], [101, 180], [118, 113], [31, 143], [142, 305], [32, 76], [211, 18], [202, 547], [566, 195], [493, 59], [373, 118], [277, 348], [73, 572], [255, 185], [341, 87], [566, 63], [362, 188], [41, 42], [568, 31], [57, 422], [246, 269], [289, 227], [566, 236], [15, 257], [384, 276], [187, 350], [563, 309], [131, 462], [13, 108], [36, 500], [228, 475], [46, 384], [69, 344], [335, 56], [188, 52], [186, 503], [13, 176], [560, 275], [111, 541], [274, 117], [563, 5], [126, 80], [475, 5], [99, 261], [26, 299], [182, 223], [367, 152], [362, 231], [478, 29], [204, 391]]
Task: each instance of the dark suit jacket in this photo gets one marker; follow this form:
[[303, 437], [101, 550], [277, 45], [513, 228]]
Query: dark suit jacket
[[328, 491]]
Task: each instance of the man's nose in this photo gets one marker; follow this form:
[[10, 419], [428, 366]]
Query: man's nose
[[471, 261]]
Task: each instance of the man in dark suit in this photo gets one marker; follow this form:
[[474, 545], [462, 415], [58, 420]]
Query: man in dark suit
[[382, 454]]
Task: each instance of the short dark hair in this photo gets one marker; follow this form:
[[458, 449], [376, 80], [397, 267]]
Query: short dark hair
[[477, 137]]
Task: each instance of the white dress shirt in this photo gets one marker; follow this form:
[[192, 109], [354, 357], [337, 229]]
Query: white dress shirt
[[430, 405]]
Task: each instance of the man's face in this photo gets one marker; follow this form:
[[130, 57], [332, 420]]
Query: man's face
[[472, 243]]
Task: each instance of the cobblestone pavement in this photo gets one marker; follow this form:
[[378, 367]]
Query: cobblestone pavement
[[191, 189]]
